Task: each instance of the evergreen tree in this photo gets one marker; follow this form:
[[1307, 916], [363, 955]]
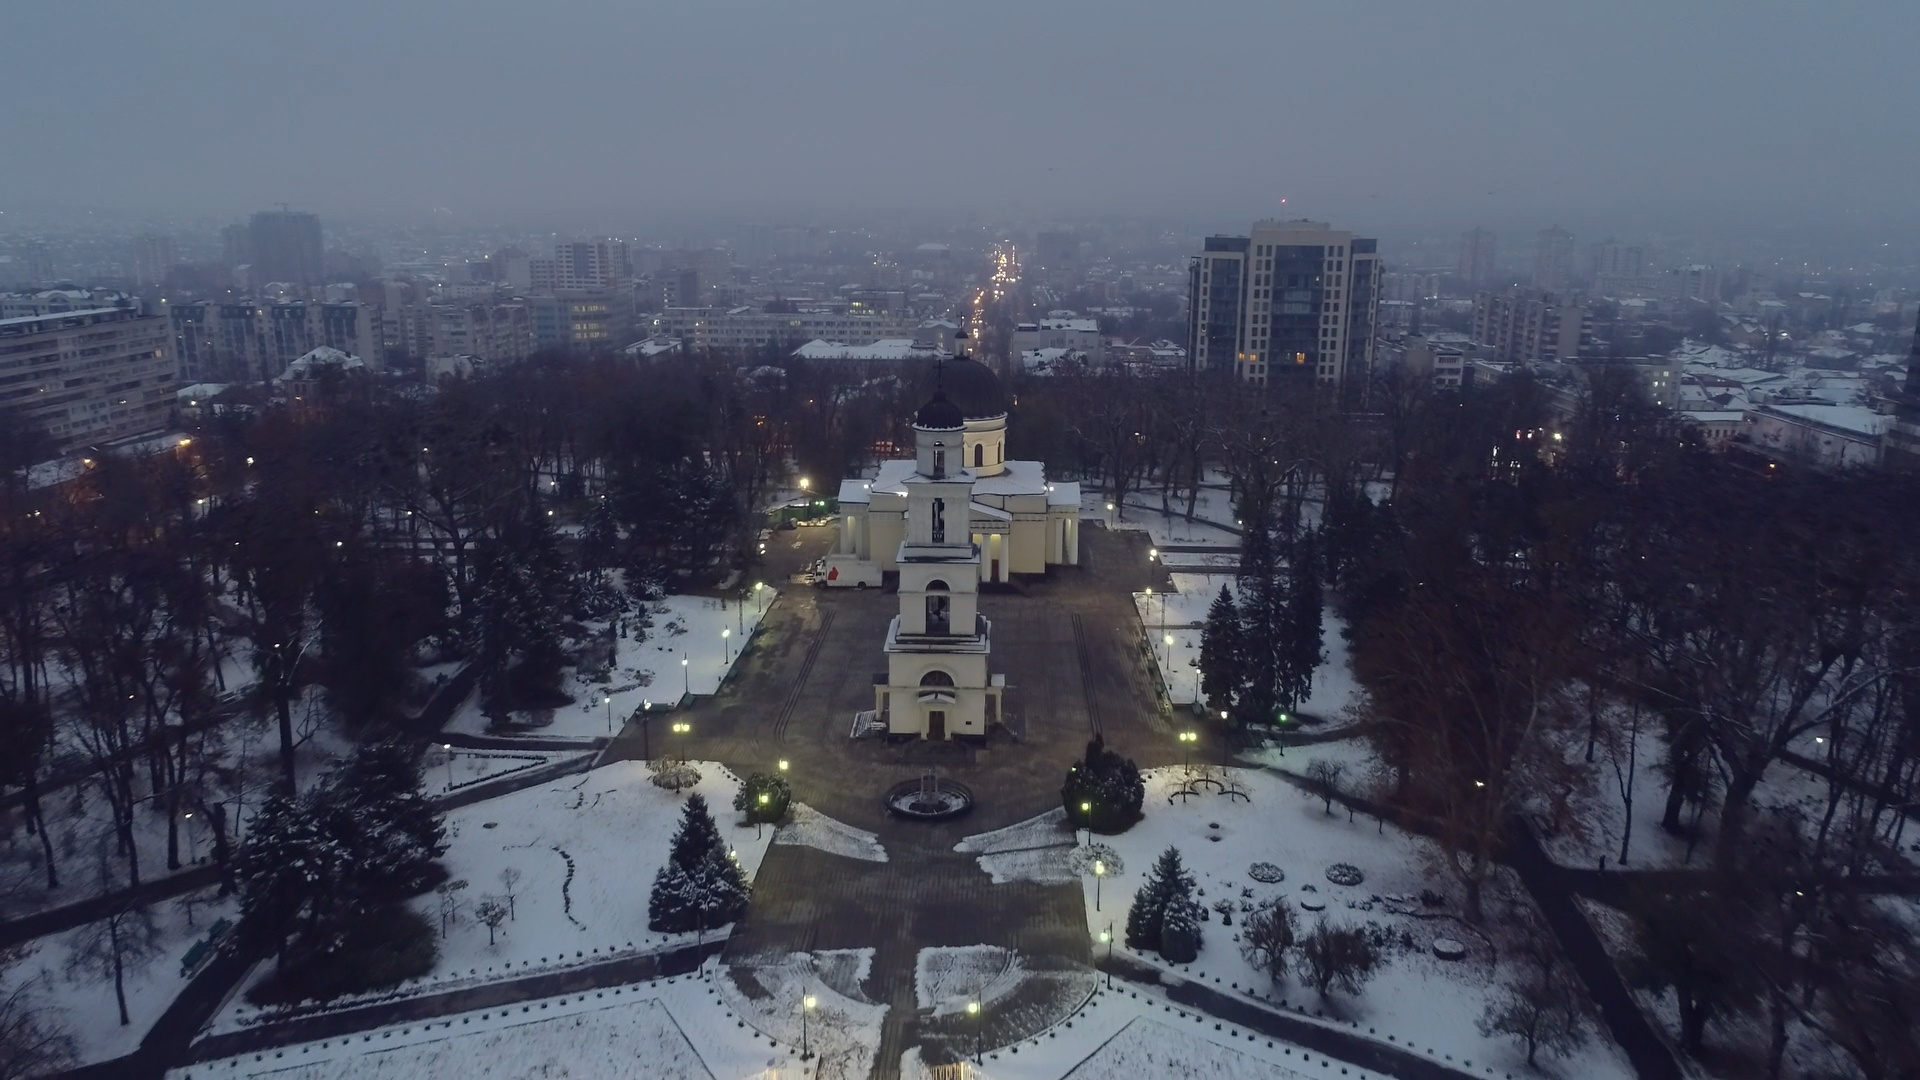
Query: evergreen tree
[[289, 870], [600, 536], [1302, 653], [391, 830], [1221, 670], [1107, 785], [1167, 883], [1180, 931], [778, 795], [701, 886]]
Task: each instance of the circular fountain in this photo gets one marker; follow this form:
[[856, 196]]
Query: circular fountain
[[929, 798]]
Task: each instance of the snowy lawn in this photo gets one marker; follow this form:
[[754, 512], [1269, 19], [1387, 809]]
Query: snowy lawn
[[673, 1029], [842, 1030], [586, 849], [807, 827], [1182, 613], [1129, 1033], [1417, 1000], [650, 670], [1142, 514], [81, 999]]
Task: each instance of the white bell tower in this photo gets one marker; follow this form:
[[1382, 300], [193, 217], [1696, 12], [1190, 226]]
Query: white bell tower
[[938, 686]]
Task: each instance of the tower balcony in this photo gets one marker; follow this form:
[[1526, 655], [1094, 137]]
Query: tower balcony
[[979, 640]]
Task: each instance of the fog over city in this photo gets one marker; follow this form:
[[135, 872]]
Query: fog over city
[[829, 540], [1709, 112]]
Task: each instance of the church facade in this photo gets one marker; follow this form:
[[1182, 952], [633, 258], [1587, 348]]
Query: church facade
[[1022, 522]]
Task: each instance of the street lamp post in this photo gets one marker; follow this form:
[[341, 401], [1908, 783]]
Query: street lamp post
[[973, 1010], [192, 845], [686, 677], [1187, 739], [1099, 872], [806, 1008], [1169, 641], [1147, 615], [726, 649], [609, 714], [760, 818], [760, 592], [447, 748], [1106, 937], [646, 736]]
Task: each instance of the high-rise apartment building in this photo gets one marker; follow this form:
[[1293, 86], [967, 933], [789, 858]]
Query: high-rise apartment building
[[153, 256], [87, 377], [236, 245], [583, 320], [1296, 300], [284, 246], [582, 264], [1611, 258], [1477, 256], [1534, 326], [1553, 259], [249, 340]]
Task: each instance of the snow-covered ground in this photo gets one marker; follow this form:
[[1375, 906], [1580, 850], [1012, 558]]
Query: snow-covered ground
[[81, 999], [807, 827], [1142, 513], [1181, 614], [650, 670], [673, 1029], [1130, 1033], [586, 849], [842, 1030], [1037, 849], [1418, 1000], [80, 818], [947, 978], [455, 768]]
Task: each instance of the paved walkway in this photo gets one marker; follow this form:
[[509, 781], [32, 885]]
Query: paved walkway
[[619, 972]]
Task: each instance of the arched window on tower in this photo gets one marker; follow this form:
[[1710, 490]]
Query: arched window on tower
[[936, 678], [939, 521], [939, 608], [979, 454]]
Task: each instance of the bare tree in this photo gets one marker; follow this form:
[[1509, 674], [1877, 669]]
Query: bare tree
[[491, 914], [106, 948], [1267, 936], [1324, 778], [509, 880], [31, 1042], [1332, 958]]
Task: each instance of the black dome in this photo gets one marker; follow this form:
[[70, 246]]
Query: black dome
[[939, 414], [971, 385]]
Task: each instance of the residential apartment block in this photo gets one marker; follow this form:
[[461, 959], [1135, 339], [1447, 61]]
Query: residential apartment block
[[87, 377], [1531, 326], [1296, 300], [245, 341]]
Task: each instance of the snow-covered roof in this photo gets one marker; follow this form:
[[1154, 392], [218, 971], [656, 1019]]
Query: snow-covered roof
[[884, 349], [1852, 418], [324, 356]]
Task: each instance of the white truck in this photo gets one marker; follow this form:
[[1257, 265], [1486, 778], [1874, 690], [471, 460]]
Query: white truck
[[849, 571]]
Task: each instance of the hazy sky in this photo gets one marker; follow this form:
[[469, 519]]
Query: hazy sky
[[1384, 112]]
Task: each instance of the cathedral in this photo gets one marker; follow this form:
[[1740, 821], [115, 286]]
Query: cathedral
[[957, 514]]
